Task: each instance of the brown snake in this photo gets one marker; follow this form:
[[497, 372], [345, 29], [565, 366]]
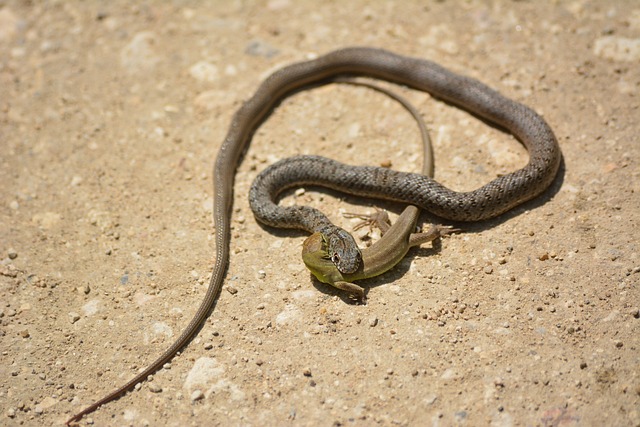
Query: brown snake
[[492, 199]]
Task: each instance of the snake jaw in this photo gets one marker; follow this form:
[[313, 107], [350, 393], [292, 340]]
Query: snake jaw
[[343, 250], [335, 258], [321, 264]]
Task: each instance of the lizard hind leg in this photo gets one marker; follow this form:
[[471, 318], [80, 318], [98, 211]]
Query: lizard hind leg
[[352, 288], [379, 219], [434, 232]]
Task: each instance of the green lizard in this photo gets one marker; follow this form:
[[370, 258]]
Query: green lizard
[[376, 259], [396, 239]]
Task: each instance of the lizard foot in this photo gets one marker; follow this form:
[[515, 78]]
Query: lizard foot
[[379, 219]]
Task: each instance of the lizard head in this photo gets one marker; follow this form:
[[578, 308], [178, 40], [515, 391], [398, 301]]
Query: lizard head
[[315, 254]]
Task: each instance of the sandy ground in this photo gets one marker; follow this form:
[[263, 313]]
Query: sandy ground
[[111, 116]]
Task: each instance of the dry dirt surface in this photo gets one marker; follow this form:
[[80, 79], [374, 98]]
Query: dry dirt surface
[[111, 116]]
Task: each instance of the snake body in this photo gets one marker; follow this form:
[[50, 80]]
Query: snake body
[[490, 200]]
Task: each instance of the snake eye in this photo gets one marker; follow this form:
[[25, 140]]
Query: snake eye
[[335, 258]]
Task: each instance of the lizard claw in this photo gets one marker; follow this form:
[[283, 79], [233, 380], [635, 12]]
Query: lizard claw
[[379, 219], [445, 230]]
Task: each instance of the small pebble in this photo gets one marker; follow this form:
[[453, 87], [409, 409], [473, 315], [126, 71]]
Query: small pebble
[[24, 334], [618, 343], [488, 269], [373, 321], [74, 317], [261, 48], [154, 388], [261, 306], [232, 290], [76, 180], [197, 395], [8, 273], [262, 274], [306, 372], [208, 346], [12, 254], [204, 71], [544, 256], [11, 413]]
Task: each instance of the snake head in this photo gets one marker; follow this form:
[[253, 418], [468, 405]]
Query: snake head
[[343, 251], [315, 254]]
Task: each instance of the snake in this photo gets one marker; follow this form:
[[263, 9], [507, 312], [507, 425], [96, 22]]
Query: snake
[[490, 200]]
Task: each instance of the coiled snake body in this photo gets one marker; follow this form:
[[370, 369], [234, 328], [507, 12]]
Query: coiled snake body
[[488, 201]]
